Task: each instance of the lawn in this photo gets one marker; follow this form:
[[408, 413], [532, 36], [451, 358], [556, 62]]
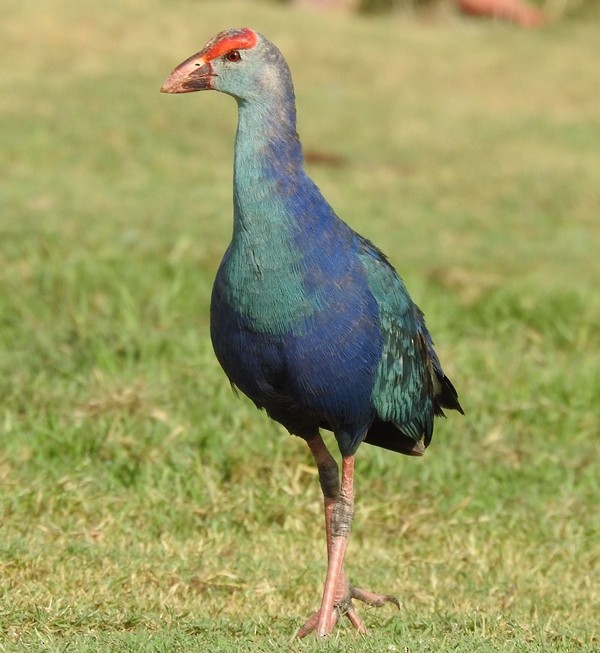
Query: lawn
[[146, 508]]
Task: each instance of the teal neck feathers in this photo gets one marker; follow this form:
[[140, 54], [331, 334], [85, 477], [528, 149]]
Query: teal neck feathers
[[263, 264]]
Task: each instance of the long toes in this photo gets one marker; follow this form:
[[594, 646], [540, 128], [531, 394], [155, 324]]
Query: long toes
[[372, 599], [356, 621], [309, 626], [322, 626]]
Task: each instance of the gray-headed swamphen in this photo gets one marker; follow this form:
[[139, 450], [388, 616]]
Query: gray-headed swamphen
[[308, 318]]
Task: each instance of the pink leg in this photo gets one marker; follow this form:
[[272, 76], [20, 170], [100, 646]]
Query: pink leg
[[339, 523], [339, 508]]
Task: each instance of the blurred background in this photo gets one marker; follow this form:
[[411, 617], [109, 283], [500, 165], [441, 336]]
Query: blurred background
[[527, 12], [143, 506]]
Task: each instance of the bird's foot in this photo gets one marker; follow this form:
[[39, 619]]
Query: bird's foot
[[323, 623]]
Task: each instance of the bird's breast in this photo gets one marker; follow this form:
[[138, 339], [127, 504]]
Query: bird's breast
[[264, 286], [306, 332]]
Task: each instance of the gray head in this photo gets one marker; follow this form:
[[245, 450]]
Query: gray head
[[239, 62]]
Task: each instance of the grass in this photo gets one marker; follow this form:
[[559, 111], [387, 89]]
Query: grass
[[143, 506]]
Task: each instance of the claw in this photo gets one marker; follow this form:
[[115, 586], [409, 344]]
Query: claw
[[374, 600]]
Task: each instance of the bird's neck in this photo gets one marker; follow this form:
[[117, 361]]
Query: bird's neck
[[258, 275], [268, 164], [284, 231]]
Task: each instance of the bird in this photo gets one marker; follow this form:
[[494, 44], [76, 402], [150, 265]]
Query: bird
[[308, 318]]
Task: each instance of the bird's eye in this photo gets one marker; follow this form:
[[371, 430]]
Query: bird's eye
[[233, 56]]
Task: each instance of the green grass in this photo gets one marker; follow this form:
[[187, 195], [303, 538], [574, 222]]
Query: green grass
[[143, 506]]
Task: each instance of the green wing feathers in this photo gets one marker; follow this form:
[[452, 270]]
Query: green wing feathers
[[404, 385]]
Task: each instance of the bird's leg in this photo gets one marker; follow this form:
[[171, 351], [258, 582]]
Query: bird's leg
[[330, 486], [329, 480], [339, 508], [340, 520]]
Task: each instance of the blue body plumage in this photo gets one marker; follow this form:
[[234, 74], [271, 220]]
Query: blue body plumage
[[307, 317]]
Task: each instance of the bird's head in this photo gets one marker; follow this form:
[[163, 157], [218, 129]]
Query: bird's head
[[239, 62]]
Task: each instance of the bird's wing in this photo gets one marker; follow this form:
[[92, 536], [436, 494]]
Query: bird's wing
[[403, 392]]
